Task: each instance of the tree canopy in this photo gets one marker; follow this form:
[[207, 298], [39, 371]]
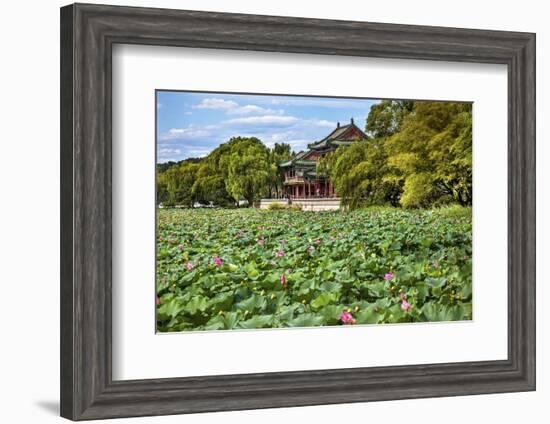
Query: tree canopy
[[419, 154], [241, 169], [175, 185]]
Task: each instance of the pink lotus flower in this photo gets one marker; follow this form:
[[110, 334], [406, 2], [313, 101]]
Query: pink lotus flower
[[189, 266], [317, 241], [311, 249], [158, 301], [279, 254], [181, 247], [347, 318], [389, 276], [283, 280], [161, 238], [402, 296], [261, 242], [406, 306], [217, 261]]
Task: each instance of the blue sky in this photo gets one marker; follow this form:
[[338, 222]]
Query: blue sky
[[193, 124]]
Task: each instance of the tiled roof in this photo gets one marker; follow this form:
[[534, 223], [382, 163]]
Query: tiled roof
[[335, 135], [336, 138]]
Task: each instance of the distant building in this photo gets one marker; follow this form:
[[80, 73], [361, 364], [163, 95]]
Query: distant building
[[301, 179]]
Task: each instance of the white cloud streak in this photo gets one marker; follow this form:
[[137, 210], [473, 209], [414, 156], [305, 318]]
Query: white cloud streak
[[189, 133], [233, 108], [214, 103], [263, 120]]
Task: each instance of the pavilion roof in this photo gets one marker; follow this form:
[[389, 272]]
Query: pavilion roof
[[337, 135], [298, 162]]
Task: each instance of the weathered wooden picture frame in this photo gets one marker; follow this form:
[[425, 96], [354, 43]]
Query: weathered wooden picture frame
[[88, 34]]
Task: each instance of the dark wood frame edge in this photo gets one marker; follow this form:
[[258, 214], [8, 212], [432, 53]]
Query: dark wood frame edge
[[88, 33]]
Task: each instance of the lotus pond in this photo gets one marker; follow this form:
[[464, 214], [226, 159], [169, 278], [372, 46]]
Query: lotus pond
[[248, 268]]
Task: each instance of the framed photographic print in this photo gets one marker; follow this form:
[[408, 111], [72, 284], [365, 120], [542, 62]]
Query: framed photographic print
[[302, 211]]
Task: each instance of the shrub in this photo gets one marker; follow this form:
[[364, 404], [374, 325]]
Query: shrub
[[455, 211], [276, 206]]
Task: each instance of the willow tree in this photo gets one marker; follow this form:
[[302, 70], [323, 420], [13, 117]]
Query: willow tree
[[209, 185], [248, 168], [175, 185]]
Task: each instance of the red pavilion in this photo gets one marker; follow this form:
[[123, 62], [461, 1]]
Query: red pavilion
[[301, 178]]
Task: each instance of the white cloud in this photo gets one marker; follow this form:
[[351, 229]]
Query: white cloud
[[184, 133], [318, 102], [168, 151], [233, 108], [279, 137], [263, 120], [323, 123], [296, 145], [253, 110], [214, 103], [198, 152]]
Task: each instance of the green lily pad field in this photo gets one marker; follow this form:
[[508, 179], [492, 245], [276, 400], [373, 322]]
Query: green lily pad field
[[221, 269]]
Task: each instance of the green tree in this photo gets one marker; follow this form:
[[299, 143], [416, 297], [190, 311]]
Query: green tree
[[280, 152], [358, 174], [248, 168], [386, 117], [209, 188], [419, 155], [431, 154], [175, 186]]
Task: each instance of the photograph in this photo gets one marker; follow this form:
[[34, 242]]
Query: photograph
[[280, 211]]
